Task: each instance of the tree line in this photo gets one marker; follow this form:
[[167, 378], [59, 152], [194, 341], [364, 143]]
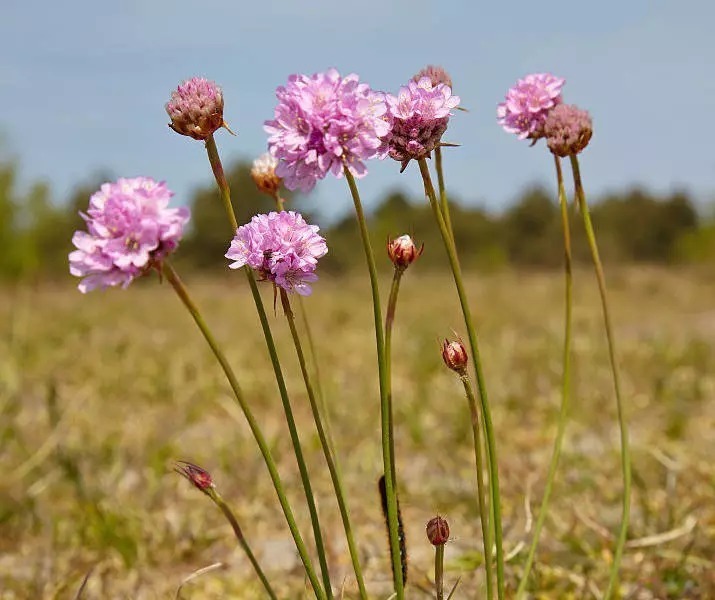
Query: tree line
[[633, 226]]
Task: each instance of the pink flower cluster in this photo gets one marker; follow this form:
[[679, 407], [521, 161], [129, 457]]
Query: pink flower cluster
[[418, 116], [528, 103], [130, 228], [281, 247], [322, 123]]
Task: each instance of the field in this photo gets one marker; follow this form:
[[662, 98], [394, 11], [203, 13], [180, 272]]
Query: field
[[100, 394]]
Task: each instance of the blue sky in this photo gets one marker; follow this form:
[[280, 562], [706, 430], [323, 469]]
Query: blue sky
[[83, 84]]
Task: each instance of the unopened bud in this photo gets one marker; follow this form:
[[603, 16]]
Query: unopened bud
[[264, 175], [196, 108], [438, 531], [455, 356], [436, 75], [568, 130], [201, 478], [403, 251]]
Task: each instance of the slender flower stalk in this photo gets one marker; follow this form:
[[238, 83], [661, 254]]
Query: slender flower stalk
[[481, 488], [622, 423], [225, 191], [226, 510], [333, 467], [481, 385], [201, 479], [565, 381], [173, 278], [390, 491], [443, 200]]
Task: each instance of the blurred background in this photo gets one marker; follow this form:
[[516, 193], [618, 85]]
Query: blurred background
[[83, 88], [100, 394]]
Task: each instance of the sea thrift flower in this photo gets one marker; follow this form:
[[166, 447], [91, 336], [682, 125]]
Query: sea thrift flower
[[130, 229], [196, 108], [322, 123], [264, 175], [528, 103], [201, 478], [437, 531], [282, 248], [568, 129], [455, 356], [419, 115], [403, 251], [436, 75]]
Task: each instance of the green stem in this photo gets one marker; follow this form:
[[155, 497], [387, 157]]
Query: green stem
[[225, 191], [481, 385], [333, 466], [390, 491], [565, 381], [623, 425], [444, 202], [173, 278], [228, 513], [389, 321], [293, 430], [439, 571], [223, 188], [483, 503]]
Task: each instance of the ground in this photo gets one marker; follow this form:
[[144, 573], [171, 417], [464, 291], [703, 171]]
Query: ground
[[100, 394]]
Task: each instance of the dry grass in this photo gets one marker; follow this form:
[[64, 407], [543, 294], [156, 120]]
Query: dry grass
[[99, 394]]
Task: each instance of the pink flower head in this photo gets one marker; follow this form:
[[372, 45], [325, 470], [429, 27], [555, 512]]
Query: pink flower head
[[281, 247], [130, 229], [528, 103], [323, 123], [418, 115], [196, 108]]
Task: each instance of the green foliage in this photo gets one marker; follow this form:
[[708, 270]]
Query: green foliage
[[634, 226]]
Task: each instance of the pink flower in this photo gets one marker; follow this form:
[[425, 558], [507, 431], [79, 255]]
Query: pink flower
[[323, 123], [282, 248], [130, 229], [418, 117], [196, 108], [528, 103]]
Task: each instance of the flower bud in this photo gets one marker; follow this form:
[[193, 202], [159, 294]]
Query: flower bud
[[438, 531], [455, 356], [196, 108], [568, 129], [403, 251], [201, 478], [264, 175]]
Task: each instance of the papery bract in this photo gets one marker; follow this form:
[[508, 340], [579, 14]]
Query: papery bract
[[322, 123], [281, 247], [130, 228]]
